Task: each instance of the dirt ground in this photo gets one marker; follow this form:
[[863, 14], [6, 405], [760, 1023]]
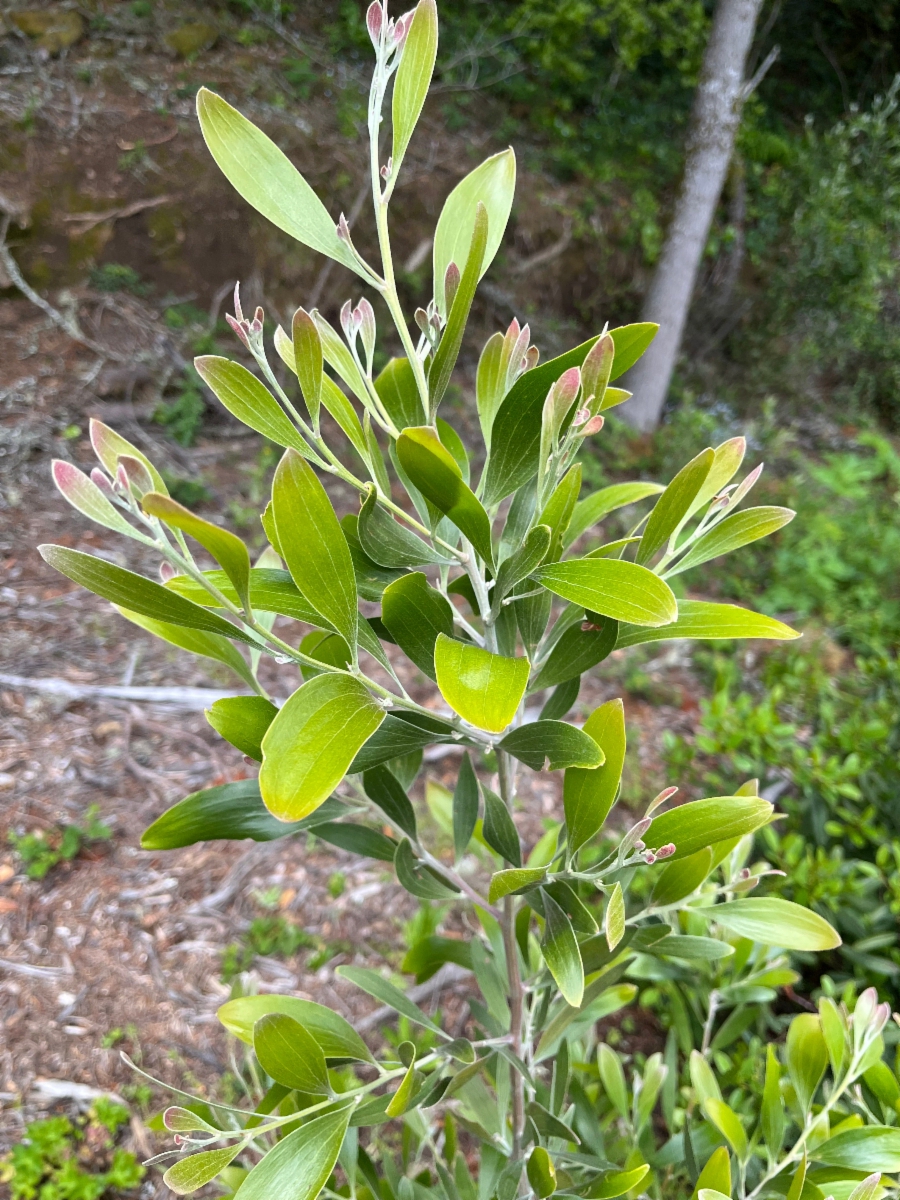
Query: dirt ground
[[121, 948]]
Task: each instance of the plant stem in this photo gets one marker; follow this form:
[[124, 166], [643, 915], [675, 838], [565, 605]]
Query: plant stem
[[514, 977]]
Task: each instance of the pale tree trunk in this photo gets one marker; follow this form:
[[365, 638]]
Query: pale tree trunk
[[714, 122]]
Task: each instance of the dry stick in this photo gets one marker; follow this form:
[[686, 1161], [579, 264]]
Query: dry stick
[[88, 219], [69, 327], [191, 699]]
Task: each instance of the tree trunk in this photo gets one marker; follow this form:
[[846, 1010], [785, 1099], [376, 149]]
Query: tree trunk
[[714, 122]]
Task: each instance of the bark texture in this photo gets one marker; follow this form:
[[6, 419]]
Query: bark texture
[[714, 122]]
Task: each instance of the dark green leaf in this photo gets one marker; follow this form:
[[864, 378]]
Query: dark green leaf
[[499, 830], [548, 1125], [430, 953], [358, 839], [232, 811], [434, 471], [415, 614], [243, 721], [397, 389], [558, 510], [561, 700], [552, 745], [399, 735], [290, 1054], [330, 649], [371, 579], [522, 562], [583, 920], [532, 615], [577, 651], [418, 878], [387, 542], [386, 791], [700, 949], [134, 592], [465, 806]]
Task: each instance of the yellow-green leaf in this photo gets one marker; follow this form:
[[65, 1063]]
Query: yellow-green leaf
[[266, 178], [483, 688], [311, 743], [775, 922], [413, 78], [588, 796], [612, 587], [314, 546], [708, 622]]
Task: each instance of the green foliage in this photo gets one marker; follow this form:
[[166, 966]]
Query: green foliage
[[115, 277], [479, 596], [39, 852], [822, 717], [50, 1164]]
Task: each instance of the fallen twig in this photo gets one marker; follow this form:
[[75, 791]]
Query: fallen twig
[[191, 699], [66, 324], [88, 219]]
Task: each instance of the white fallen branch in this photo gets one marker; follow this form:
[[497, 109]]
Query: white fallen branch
[[193, 699]]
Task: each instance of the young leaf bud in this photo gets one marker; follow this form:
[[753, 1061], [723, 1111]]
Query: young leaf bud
[[595, 371], [594, 425], [451, 283], [666, 851], [101, 479], [365, 314], [423, 322], [632, 839], [343, 229], [649, 857], [580, 417], [136, 476], [375, 22], [532, 355], [664, 795], [348, 322], [166, 572]]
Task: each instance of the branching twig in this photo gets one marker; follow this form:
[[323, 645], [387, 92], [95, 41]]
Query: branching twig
[[67, 325]]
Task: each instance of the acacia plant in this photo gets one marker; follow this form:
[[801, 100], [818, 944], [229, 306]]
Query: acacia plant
[[477, 584]]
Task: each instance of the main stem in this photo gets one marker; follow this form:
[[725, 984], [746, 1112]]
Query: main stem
[[514, 977]]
